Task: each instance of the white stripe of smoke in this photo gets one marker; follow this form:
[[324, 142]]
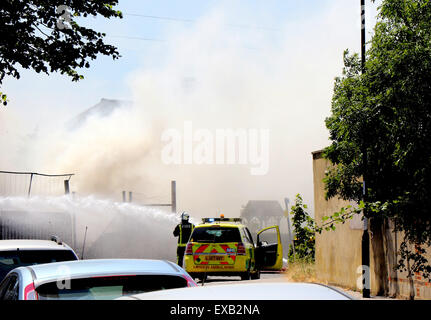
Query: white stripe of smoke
[[115, 229]]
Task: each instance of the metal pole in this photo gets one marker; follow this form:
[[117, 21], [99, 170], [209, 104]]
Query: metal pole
[[286, 201], [73, 225], [174, 196], [365, 236], [66, 187], [29, 187], [363, 35], [130, 196], [83, 244]]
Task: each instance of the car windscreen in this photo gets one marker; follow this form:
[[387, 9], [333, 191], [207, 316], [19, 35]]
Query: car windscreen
[[216, 234], [13, 259], [107, 288]]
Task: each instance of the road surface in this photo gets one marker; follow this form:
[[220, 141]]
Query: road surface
[[264, 277]]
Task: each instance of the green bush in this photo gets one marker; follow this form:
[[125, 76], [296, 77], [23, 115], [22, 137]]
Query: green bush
[[303, 227]]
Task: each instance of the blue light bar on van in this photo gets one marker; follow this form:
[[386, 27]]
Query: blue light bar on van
[[209, 220]]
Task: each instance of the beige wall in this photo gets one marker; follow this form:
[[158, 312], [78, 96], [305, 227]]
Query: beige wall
[[338, 253]]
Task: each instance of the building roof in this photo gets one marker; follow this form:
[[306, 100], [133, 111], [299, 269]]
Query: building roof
[[260, 208], [102, 109], [317, 154]]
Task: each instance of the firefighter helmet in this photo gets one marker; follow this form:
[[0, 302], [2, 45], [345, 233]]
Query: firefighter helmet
[[185, 216]]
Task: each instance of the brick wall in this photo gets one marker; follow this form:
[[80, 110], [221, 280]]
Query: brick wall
[[338, 253]]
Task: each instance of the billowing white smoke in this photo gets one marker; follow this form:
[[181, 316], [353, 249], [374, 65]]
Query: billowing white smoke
[[213, 76], [208, 77]]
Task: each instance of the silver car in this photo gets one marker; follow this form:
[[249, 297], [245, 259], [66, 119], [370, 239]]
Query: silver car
[[18, 253], [249, 291], [98, 279]]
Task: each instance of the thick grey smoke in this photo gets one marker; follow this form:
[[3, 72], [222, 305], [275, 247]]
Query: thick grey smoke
[[209, 78], [216, 77]]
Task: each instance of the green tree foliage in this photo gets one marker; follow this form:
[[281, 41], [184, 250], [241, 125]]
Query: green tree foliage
[[303, 227], [46, 37], [385, 114]]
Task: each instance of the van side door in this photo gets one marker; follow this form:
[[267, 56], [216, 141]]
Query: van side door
[[269, 250]]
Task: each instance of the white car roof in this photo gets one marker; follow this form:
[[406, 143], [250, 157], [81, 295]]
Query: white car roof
[[247, 291], [102, 267], [12, 245]]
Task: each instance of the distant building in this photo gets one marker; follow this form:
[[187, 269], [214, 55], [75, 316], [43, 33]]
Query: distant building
[[259, 214], [102, 109]]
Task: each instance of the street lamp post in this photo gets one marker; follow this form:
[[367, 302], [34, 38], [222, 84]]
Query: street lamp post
[[365, 236]]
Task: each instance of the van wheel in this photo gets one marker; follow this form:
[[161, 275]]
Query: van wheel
[[256, 275], [245, 275]]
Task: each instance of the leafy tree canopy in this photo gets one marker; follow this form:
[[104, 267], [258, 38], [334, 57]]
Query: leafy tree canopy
[[385, 114], [46, 37]]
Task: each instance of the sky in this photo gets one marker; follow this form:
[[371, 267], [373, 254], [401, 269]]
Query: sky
[[110, 79], [219, 64]]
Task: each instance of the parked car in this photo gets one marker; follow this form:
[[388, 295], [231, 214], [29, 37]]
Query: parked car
[[98, 279], [249, 291], [225, 247], [18, 253]]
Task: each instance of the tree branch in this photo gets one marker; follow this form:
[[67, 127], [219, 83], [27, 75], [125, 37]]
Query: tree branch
[[40, 30]]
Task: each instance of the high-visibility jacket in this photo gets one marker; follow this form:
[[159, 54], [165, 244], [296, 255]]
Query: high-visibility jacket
[[183, 232]]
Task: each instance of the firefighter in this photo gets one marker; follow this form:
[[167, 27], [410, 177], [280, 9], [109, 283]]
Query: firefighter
[[183, 232]]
